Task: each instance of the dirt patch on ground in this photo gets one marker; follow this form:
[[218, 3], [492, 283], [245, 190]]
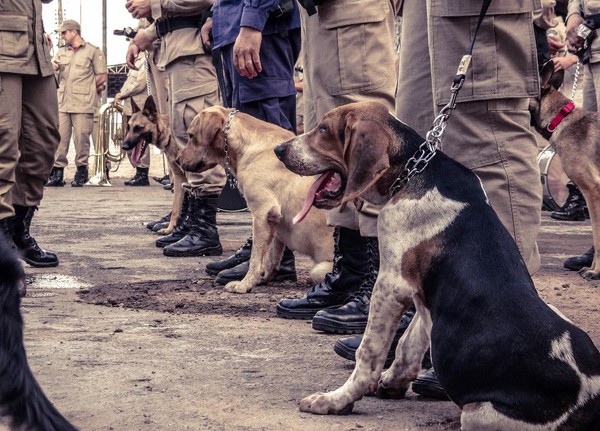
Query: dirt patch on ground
[[124, 338]]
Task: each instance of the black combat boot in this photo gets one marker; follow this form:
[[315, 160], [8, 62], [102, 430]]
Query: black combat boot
[[28, 247], [7, 231], [346, 347], [163, 222], [574, 208], [351, 318], [285, 272], [139, 179], [350, 266], [182, 227], [81, 177], [56, 177], [203, 236], [240, 256], [585, 260]]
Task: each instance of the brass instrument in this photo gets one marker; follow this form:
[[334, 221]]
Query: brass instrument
[[107, 143]]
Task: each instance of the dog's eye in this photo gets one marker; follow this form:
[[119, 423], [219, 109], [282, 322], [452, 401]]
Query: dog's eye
[[137, 128], [322, 129]]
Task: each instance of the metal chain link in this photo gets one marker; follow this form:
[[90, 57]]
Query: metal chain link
[[231, 179], [575, 78], [428, 149]]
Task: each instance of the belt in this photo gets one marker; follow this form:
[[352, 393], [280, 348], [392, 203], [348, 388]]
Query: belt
[[167, 25]]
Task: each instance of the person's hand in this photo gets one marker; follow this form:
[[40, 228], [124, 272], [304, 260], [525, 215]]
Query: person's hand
[[139, 8], [205, 32], [555, 45], [100, 87], [142, 41], [49, 41], [572, 23], [246, 52], [563, 63], [132, 53], [117, 99]]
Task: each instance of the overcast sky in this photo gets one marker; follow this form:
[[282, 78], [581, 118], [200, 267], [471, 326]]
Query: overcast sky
[[89, 14]]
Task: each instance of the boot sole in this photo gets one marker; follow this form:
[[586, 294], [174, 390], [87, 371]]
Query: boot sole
[[39, 264], [336, 327], [429, 389], [287, 313], [202, 252], [214, 271]]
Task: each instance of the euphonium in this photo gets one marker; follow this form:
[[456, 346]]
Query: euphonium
[[107, 142]]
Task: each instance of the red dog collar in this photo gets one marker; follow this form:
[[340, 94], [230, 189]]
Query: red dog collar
[[566, 110]]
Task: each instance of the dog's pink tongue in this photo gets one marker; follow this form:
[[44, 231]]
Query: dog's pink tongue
[[310, 197], [136, 154]]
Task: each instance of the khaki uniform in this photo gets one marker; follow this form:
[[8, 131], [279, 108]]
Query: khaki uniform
[[349, 56], [192, 81], [28, 106], [135, 89], [78, 100], [591, 71], [489, 131]]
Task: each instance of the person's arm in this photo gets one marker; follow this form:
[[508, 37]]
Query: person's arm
[[574, 18], [100, 72]]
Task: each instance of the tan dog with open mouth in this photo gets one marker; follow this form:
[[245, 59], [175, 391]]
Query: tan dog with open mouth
[[147, 126], [244, 145], [506, 358], [575, 136]]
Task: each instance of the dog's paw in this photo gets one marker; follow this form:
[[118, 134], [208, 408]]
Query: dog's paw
[[589, 274], [165, 231], [237, 287], [386, 391], [323, 404]]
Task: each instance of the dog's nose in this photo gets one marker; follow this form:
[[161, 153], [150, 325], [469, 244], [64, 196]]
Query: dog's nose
[[280, 150]]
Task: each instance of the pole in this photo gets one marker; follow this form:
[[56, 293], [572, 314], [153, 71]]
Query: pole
[[104, 50]]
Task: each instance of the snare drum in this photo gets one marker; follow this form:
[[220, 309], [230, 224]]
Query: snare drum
[[554, 179]]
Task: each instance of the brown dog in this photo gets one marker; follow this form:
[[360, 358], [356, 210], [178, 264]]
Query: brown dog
[[506, 358], [574, 134], [147, 126], [244, 146]]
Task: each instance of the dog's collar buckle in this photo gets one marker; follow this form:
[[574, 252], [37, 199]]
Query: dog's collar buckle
[[566, 110]]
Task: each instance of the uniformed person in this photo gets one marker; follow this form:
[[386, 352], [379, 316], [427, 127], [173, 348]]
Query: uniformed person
[[81, 72], [192, 87], [135, 89], [28, 124]]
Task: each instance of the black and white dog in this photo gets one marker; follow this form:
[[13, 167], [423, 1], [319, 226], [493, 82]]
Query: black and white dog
[[506, 358], [22, 400]]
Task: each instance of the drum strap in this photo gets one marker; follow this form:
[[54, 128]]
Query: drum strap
[[566, 110]]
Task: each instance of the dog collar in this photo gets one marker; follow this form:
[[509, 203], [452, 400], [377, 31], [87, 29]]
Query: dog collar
[[566, 110]]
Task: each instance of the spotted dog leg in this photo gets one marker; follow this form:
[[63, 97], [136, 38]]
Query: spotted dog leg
[[406, 366], [384, 318]]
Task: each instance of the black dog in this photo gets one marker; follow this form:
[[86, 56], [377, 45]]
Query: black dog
[[21, 398]]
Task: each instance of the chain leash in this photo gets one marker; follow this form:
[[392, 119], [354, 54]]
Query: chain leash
[[575, 78], [433, 139], [231, 179]]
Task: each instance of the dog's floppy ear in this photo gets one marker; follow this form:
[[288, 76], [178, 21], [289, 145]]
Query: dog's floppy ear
[[365, 153], [209, 126], [150, 109]]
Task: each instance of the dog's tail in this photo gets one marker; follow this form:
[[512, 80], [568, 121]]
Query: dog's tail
[[22, 400]]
